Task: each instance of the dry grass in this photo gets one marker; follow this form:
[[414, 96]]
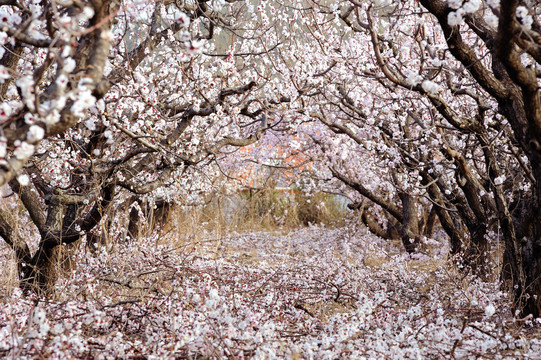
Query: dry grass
[[266, 210]]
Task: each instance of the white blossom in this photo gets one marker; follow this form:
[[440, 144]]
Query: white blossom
[[455, 4], [472, 6], [414, 79], [495, 4], [88, 12], [524, 16], [29, 118], [82, 102], [90, 124], [52, 117], [26, 84], [183, 19], [62, 81], [23, 151], [194, 46], [66, 51], [455, 18], [9, 19], [5, 111], [490, 310], [107, 36], [430, 87], [4, 74], [100, 105], [499, 180], [492, 20], [57, 329], [23, 179], [521, 12], [35, 133]]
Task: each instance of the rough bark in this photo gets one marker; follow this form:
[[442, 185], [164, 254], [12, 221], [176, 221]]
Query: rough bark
[[134, 226], [409, 231], [430, 222], [44, 264]]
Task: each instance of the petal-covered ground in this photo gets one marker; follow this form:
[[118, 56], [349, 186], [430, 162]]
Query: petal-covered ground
[[313, 293]]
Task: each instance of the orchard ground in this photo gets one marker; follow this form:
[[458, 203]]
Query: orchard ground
[[308, 293]]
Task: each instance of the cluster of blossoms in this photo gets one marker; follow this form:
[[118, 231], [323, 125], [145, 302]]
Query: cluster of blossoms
[[462, 8]]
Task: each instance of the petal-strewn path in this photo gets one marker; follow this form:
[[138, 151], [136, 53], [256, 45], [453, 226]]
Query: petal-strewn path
[[313, 293]]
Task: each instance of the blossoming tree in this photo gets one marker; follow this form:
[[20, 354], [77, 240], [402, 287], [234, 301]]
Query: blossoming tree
[[482, 85], [106, 99], [433, 107]]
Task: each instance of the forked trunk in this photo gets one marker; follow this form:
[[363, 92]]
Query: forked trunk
[[41, 276]]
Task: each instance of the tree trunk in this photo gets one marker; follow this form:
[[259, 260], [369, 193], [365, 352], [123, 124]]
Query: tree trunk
[[409, 231], [156, 216], [134, 226], [428, 229], [521, 271], [531, 251], [477, 254], [42, 274]]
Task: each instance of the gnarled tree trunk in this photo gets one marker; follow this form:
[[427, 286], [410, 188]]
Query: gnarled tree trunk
[[42, 274], [409, 231]]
